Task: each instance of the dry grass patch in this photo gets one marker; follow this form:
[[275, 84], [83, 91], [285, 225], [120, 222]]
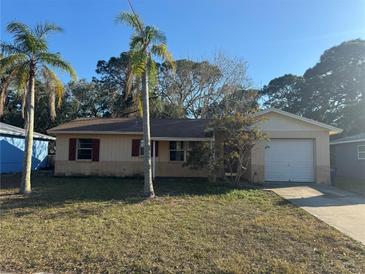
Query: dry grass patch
[[103, 225]]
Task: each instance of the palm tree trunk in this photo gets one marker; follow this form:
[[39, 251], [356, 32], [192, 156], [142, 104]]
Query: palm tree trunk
[[25, 186], [24, 105], [52, 105], [2, 100], [148, 184]]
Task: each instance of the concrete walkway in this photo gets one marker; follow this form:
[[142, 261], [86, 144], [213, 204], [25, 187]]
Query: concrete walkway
[[340, 209]]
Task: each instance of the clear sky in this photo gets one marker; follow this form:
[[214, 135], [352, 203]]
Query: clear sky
[[274, 36]]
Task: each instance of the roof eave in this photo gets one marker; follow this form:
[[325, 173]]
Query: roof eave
[[95, 132], [171, 138], [347, 142], [35, 136], [192, 139]]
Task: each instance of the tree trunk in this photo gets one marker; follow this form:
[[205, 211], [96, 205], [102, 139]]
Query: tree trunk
[[2, 101], [24, 104], [148, 184], [25, 186], [52, 105]]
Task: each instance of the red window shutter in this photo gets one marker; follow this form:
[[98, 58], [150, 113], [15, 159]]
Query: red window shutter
[[72, 149], [135, 147], [96, 150]]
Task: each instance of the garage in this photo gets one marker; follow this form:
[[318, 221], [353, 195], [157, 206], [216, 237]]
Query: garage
[[296, 149], [289, 160]]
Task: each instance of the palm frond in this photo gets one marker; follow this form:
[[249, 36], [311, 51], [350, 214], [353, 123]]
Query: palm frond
[[30, 43], [136, 42], [129, 80], [21, 77], [25, 39], [12, 60], [18, 28], [55, 60], [152, 72], [6, 79], [55, 83], [41, 30], [138, 61], [7, 49], [139, 104], [20, 82], [155, 35], [162, 52], [30, 47], [130, 19], [55, 88]]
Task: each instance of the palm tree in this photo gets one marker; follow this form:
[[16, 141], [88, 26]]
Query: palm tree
[[146, 43], [30, 60]]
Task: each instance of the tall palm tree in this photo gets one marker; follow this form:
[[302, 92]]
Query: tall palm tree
[[146, 43], [30, 60]]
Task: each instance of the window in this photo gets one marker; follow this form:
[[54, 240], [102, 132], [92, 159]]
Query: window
[[138, 148], [84, 149], [141, 148], [361, 152], [177, 151]]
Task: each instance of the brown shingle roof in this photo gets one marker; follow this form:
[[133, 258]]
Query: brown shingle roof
[[184, 128]]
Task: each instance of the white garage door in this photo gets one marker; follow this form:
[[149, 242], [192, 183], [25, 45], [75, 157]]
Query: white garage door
[[289, 160]]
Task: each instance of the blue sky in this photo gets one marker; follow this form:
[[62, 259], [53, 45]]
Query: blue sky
[[274, 36]]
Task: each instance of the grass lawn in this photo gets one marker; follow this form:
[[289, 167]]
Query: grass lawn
[[103, 225]]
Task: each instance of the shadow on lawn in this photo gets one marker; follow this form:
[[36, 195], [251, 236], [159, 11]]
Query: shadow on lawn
[[57, 191]]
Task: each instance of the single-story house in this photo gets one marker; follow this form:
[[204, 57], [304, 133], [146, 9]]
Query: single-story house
[[298, 149], [348, 158], [12, 145]]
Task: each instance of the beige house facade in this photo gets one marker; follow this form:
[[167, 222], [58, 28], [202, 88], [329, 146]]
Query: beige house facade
[[114, 147], [116, 158], [297, 149]]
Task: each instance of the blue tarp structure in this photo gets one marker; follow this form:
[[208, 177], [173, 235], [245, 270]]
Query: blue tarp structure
[[12, 144]]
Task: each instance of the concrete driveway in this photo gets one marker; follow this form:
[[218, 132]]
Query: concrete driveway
[[340, 209]]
